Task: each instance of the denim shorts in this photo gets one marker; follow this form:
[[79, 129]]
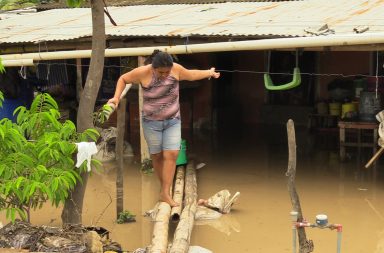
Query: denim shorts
[[162, 134]]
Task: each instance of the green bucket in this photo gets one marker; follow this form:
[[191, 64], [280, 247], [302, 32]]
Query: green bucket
[[182, 157]]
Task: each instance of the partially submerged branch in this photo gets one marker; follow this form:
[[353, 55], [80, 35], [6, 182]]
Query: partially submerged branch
[[305, 245]]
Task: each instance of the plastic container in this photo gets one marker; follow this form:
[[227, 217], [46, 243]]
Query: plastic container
[[182, 157], [347, 108], [370, 105], [359, 85], [9, 105], [335, 109]]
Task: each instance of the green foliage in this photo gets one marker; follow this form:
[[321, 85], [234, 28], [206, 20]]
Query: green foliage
[[36, 153], [146, 166], [102, 114], [125, 216], [2, 70], [1, 99], [74, 3], [16, 4]]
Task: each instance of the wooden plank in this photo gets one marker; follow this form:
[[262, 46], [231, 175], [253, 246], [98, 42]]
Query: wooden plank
[[358, 125]]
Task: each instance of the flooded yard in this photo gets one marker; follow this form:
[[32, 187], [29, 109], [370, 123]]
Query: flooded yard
[[254, 163]]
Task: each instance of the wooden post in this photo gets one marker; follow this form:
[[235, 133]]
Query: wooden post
[[305, 245], [143, 144], [79, 80], [178, 193], [183, 231], [120, 156]]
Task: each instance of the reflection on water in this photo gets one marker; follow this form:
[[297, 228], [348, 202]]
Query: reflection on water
[[254, 163], [225, 224]]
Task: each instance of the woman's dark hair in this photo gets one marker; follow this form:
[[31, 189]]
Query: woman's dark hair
[[159, 59]]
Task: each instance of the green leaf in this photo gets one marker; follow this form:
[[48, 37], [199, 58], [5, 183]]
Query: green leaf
[[32, 190], [74, 3], [92, 133], [55, 184], [13, 214], [19, 180], [2, 69]]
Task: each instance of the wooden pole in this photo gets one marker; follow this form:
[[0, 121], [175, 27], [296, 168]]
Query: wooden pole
[[305, 245], [120, 156], [143, 144], [159, 242], [374, 158], [178, 193], [79, 80], [183, 231]]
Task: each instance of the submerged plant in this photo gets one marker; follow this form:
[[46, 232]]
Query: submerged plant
[[36, 158], [125, 216], [146, 166]]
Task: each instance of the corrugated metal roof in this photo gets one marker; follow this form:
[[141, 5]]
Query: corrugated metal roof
[[63, 3], [295, 18]]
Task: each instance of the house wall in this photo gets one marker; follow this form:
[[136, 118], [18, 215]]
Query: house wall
[[249, 87], [346, 63], [196, 97]]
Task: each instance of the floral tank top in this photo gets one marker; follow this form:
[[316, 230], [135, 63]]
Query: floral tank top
[[161, 99]]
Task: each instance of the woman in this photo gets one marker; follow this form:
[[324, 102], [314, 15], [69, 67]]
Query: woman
[[161, 111]]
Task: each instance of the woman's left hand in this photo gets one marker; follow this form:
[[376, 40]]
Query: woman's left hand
[[214, 74]]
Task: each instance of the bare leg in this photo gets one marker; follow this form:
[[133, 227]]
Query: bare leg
[[168, 172], [157, 162]]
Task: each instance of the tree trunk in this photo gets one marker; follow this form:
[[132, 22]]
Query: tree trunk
[[72, 212], [184, 228], [178, 193], [159, 242], [305, 245]]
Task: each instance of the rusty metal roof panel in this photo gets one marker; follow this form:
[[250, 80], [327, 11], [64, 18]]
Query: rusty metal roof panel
[[286, 19]]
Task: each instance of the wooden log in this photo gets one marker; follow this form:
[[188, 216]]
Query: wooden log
[[183, 231], [178, 193], [305, 246], [159, 242]]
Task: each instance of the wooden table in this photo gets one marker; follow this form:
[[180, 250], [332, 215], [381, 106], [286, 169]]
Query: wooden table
[[359, 126]]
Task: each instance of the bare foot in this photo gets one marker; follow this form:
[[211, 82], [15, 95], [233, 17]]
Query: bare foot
[[168, 199], [202, 202]]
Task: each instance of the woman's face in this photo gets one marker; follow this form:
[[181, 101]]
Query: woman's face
[[162, 72]]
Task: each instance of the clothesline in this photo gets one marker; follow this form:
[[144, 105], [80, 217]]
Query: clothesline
[[244, 71]]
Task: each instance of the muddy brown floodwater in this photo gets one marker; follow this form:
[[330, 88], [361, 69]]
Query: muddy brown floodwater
[[254, 163]]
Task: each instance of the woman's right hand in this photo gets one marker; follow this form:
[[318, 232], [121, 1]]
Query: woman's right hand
[[114, 101]]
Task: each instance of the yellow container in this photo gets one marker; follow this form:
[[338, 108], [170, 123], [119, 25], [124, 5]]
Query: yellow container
[[335, 109], [347, 107]]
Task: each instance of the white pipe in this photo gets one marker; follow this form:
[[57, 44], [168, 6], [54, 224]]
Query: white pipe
[[264, 44], [17, 62]]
